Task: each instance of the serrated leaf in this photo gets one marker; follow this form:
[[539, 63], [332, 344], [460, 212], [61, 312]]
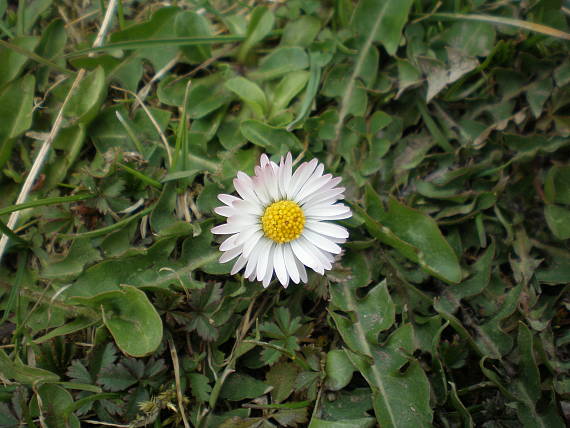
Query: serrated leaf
[[201, 388]]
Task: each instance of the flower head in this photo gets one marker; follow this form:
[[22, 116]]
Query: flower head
[[282, 221]]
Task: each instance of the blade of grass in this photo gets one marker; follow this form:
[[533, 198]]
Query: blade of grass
[[108, 229], [34, 56], [46, 202], [140, 44], [15, 290], [518, 23], [131, 133], [150, 181]]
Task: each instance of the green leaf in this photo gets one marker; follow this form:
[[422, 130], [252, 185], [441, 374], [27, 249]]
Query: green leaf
[[16, 109], [339, 370], [250, 93], [287, 89], [11, 62], [472, 38], [558, 220], [282, 378], [80, 253], [84, 103], [280, 62], [417, 237], [375, 313], [557, 185], [400, 386], [161, 25], [301, 32], [200, 385], [191, 24], [345, 423], [19, 372], [270, 138], [130, 317], [381, 21], [260, 24], [239, 387], [55, 401]]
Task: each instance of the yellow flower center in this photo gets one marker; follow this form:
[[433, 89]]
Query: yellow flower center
[[283, 221]]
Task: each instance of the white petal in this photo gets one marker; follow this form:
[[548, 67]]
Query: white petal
[[311, 249], [309, 183], [290, 264], [229, 243], [226, 229], [269, 270], [239, 265], [230, 255], [321, 241], [312, 186], [328, 229], [302, 270], [244, 186], [249, 207], [285, 173], [250, 245], [324, 257], [228, 199], [252, 261], [225, 211], [244, 219], [261, 269], [303, 255], [279, 266], [300, 177], [246, 234], [263, 160], [327, 211]]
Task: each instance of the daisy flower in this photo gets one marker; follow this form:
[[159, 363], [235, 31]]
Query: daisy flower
[[282, 221]]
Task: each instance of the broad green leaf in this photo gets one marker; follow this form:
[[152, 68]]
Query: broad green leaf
[[191, 24], [85, 101], [271, 139], [558, 220], [472, 38], [287, 89], [130, 317], [16, 109], [280, 62], [21, 373], [54, 402], [250, 93], [160, 26], [381, 21], [69, 141], [208, 95], [375, 313], [451, 299], [339, 370], [282, 377], [11, 62], [260, 24], [239, 386], [490, 336], [346, 423], [301, 32], [400, 388], [557, 185], [417, 237], [80, 253]]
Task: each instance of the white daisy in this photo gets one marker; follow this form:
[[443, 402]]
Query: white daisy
[[281, 223]]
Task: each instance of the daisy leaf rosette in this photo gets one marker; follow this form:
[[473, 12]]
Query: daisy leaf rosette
[[281, 222]]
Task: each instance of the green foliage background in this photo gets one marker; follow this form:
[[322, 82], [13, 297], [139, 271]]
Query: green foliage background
[[449, 123]]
